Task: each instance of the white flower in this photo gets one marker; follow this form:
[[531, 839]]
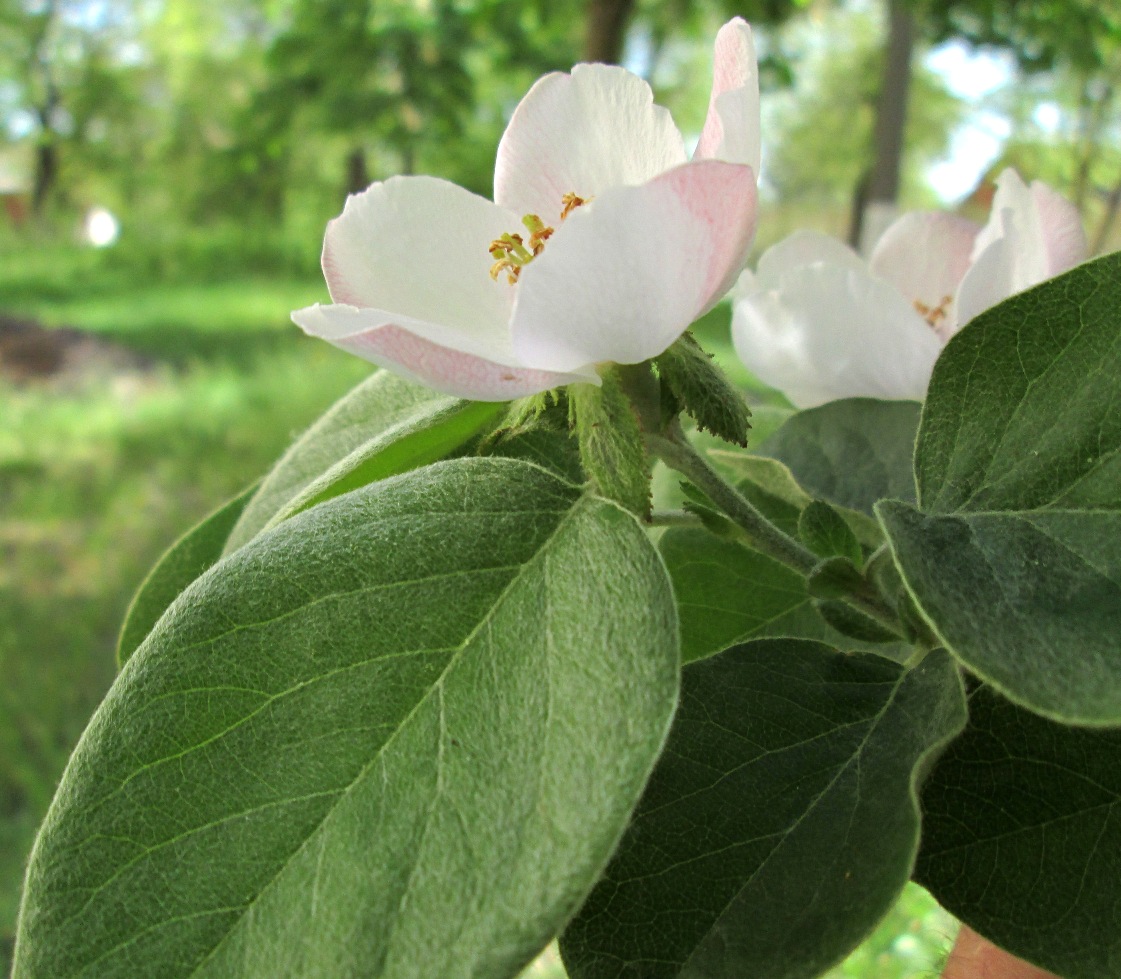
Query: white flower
[[818, 323], [604, 242]]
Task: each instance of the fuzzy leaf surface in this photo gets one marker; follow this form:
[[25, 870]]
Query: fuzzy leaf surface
[[728, 593], [1031, 601], [397, 736], [851, 452], [1022, 837], [780, 823], [1022, 412]]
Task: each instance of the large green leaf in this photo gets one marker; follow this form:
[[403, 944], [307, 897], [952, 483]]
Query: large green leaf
[[781, 821], [852, 452], [727, 593], [1017, 561], [1022, 411], [385, 426], [187, 558], [1031, 601], [399, 735], [1022, 837]]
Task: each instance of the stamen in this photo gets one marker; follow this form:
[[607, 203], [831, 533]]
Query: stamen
[[934, 315], [512, 252], [572, 201]]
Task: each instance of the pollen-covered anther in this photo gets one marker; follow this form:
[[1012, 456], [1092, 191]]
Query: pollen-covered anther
[[934, 315], [572, 201], [513, 252], [539, 233]]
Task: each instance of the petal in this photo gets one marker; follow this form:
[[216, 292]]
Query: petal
[[1032, 234], [833, 332], [992, 276], [1061, 227], [731, 131], [627, 274], [1051, 238], [419, 247], [369, 334], [805, 248], [582, 133], [925, 256]]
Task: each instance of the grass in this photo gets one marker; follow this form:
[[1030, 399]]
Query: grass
[[98, 477]]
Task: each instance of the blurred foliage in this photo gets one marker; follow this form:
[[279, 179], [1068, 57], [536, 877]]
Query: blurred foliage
[[822, 130]]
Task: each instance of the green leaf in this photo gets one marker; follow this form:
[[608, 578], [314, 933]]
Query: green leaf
[[1022, 837], [385, 426], [1022, 409], [767, 484], [181, 564], [852, 452], [780, 823], [835, 577], [398, 735], [612, 447], [824, 531], [550, 448], [771, 487], [727, 593], [1030, 601], [1016, 563], [704, 391]]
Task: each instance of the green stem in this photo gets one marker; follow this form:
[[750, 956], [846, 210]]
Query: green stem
[[676, 452], [675, 518]]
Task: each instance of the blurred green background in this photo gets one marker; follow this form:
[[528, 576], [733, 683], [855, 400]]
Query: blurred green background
[[166, 170]]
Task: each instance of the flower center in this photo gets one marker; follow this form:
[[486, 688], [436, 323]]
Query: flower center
[[934, 315], [512, 252]]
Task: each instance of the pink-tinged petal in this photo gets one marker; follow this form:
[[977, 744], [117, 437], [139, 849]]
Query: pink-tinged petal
[[1032, 234], [368, 334], [992, 276], [731, 130], [805, 248], [582, 133], [1050, 233], [833, 332], [626, 275], [419, 247], [1061, 227], [926, 256]]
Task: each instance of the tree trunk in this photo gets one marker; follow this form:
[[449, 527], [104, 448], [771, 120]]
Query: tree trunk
[[1105, 226], [46, 174], [357, 177], [881, 184], [606, 29]]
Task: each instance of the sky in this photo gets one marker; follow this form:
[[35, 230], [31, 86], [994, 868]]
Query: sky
[[973, 147]]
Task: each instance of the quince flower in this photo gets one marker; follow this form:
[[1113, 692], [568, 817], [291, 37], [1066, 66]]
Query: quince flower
[[603, 244], [818, 323]]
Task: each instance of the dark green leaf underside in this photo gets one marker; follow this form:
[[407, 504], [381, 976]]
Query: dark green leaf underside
[[781, 821], [1029, 601], [851, 452], [1022, 837], [727, 593], [340, 756]]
